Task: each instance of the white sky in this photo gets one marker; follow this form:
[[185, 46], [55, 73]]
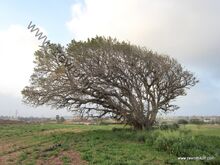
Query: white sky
[[185, 29]]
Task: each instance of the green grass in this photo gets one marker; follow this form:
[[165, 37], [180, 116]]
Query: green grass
[[208, 129], [108, 144]]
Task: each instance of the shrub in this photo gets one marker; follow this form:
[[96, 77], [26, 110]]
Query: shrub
[[114, 129], [163, 143], [171, 127], [182, 121], [181, 146], [164, 126], [62, 119], [174, 126], [141, 138]]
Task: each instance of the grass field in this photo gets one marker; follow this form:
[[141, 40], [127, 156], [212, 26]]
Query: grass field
[[106, 144]]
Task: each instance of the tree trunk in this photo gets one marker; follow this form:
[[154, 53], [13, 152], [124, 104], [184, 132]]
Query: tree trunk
[[146, 124], [142, 126], [141, 122]]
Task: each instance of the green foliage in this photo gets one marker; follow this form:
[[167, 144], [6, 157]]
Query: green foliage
[[172, 127], [57, 118], [182, 121], [164, 126], [62, 119], [141, 138], [181, 146]]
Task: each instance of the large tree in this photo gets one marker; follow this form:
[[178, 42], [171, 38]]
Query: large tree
[[102, 76]]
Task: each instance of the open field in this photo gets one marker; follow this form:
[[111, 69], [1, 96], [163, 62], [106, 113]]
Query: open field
[[106, 144]]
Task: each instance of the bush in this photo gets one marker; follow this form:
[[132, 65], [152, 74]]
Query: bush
[[141, 138], [62, 119], [114, 129], [164, 126], [174, 126], [163, 143], [171, 127], [181, 146], [182, 121]]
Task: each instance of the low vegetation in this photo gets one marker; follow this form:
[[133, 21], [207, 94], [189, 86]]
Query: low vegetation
[[108, 144]]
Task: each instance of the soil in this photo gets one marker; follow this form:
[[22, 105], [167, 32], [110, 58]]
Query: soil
[[73, 159]]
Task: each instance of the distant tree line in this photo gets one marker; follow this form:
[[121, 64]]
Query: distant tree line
[[197, 121], [60, 119]]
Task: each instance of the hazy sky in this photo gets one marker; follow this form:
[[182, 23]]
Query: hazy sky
[[188, 30]]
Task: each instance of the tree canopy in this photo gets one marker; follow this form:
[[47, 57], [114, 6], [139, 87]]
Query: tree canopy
[[102, 76]]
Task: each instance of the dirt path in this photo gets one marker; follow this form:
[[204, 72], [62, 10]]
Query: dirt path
[[11, 149], [71, 157], [9, 159]]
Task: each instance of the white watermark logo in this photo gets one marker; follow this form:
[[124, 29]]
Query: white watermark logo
[[196, 158]]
